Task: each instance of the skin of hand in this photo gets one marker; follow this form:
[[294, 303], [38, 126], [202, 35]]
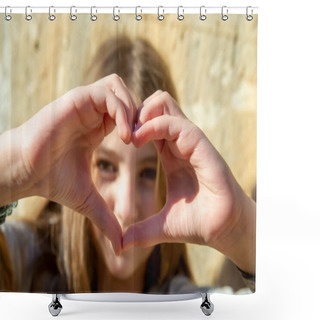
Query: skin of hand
[[205, 205], [57, 145]]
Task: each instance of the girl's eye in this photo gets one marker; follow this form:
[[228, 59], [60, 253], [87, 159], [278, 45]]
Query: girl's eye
[[149, 174], [106, 166]]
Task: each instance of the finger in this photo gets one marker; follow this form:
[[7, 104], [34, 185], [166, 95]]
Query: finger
[[117, 111], [91, 102], [97, 211], [105, 100], [133, 107], [116, 84], [163, 127], [160, 103], [181, 136], [152, 96], [146, 233]]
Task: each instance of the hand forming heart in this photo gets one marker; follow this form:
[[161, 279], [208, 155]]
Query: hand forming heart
[[204, 203]]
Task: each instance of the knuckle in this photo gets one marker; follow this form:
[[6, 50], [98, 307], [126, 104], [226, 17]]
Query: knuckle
[[165, 95], [115, 78], [164, 98]]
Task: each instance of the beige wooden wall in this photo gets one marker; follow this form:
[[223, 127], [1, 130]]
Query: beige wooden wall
[[213, 64]]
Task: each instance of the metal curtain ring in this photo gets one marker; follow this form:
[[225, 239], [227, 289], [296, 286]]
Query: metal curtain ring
[[180, 15], [93, 17], [116, 17], [7, 16], [249, 17], [203, 15], [73, 17], [52, 17], [224, 16], [28, 16], [138, 16], [160, 16]]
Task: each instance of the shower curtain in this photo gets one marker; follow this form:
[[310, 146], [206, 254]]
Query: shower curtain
[[206, 70]]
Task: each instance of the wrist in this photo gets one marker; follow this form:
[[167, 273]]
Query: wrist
[[15, 182], [243, 251], [238, 240]]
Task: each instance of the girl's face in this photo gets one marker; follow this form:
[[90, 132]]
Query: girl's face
[[125, 177]]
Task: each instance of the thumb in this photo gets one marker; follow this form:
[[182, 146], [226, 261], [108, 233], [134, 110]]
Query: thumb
[[146, 233], [95, 208]]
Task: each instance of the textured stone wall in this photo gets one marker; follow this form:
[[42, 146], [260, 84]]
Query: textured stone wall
[[213, 64]]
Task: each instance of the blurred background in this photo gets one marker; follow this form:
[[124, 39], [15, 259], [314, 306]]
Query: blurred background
[[213, 65]]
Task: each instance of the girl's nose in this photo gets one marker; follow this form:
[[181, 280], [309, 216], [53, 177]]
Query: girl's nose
[[125, 201]]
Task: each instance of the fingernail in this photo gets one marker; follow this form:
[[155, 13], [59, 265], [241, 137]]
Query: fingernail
[[135, 140], [127, 137]]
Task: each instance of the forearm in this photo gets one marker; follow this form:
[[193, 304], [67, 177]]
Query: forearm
[[243, 253], [14, 178], [238, 242]]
